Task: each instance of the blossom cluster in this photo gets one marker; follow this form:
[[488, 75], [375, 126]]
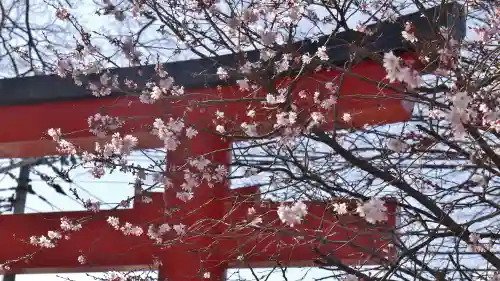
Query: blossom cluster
[[169, 133], [373, 210], [118, 146], [398, 71], [154, 232], [101, 124], [292, 215], [50, 240]]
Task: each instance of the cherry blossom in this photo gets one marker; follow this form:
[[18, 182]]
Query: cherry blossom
[[292, 215], [114, 222], [340, 208], [374, 210], [131, 230], [82, 259], [68, 225], [191, 132], [396, 71], [180, 229], [42, 241], [408, 34]]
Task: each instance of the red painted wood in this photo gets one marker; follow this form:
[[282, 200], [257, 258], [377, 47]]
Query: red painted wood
[[216, 237], [108, 249], [204, 213], [104, 246], [349, 238], [25, 135]]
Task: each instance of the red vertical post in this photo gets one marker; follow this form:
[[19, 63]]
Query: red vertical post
[[195, 256]]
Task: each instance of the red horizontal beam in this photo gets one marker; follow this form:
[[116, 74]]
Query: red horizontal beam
[[104, 246], [348, 238], [366, 101], [108, 249]]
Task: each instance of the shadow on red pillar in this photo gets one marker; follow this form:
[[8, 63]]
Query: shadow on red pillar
[[194, 256]]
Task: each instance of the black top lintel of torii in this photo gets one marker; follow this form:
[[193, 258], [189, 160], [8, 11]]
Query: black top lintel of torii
[[199, 73]]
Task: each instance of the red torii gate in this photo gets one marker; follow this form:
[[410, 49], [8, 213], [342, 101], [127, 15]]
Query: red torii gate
[[219, 242]]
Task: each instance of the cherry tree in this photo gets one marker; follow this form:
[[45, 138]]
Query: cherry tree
[[441, 166]]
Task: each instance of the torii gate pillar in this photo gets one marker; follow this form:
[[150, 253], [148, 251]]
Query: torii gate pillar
[[205, 212]]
